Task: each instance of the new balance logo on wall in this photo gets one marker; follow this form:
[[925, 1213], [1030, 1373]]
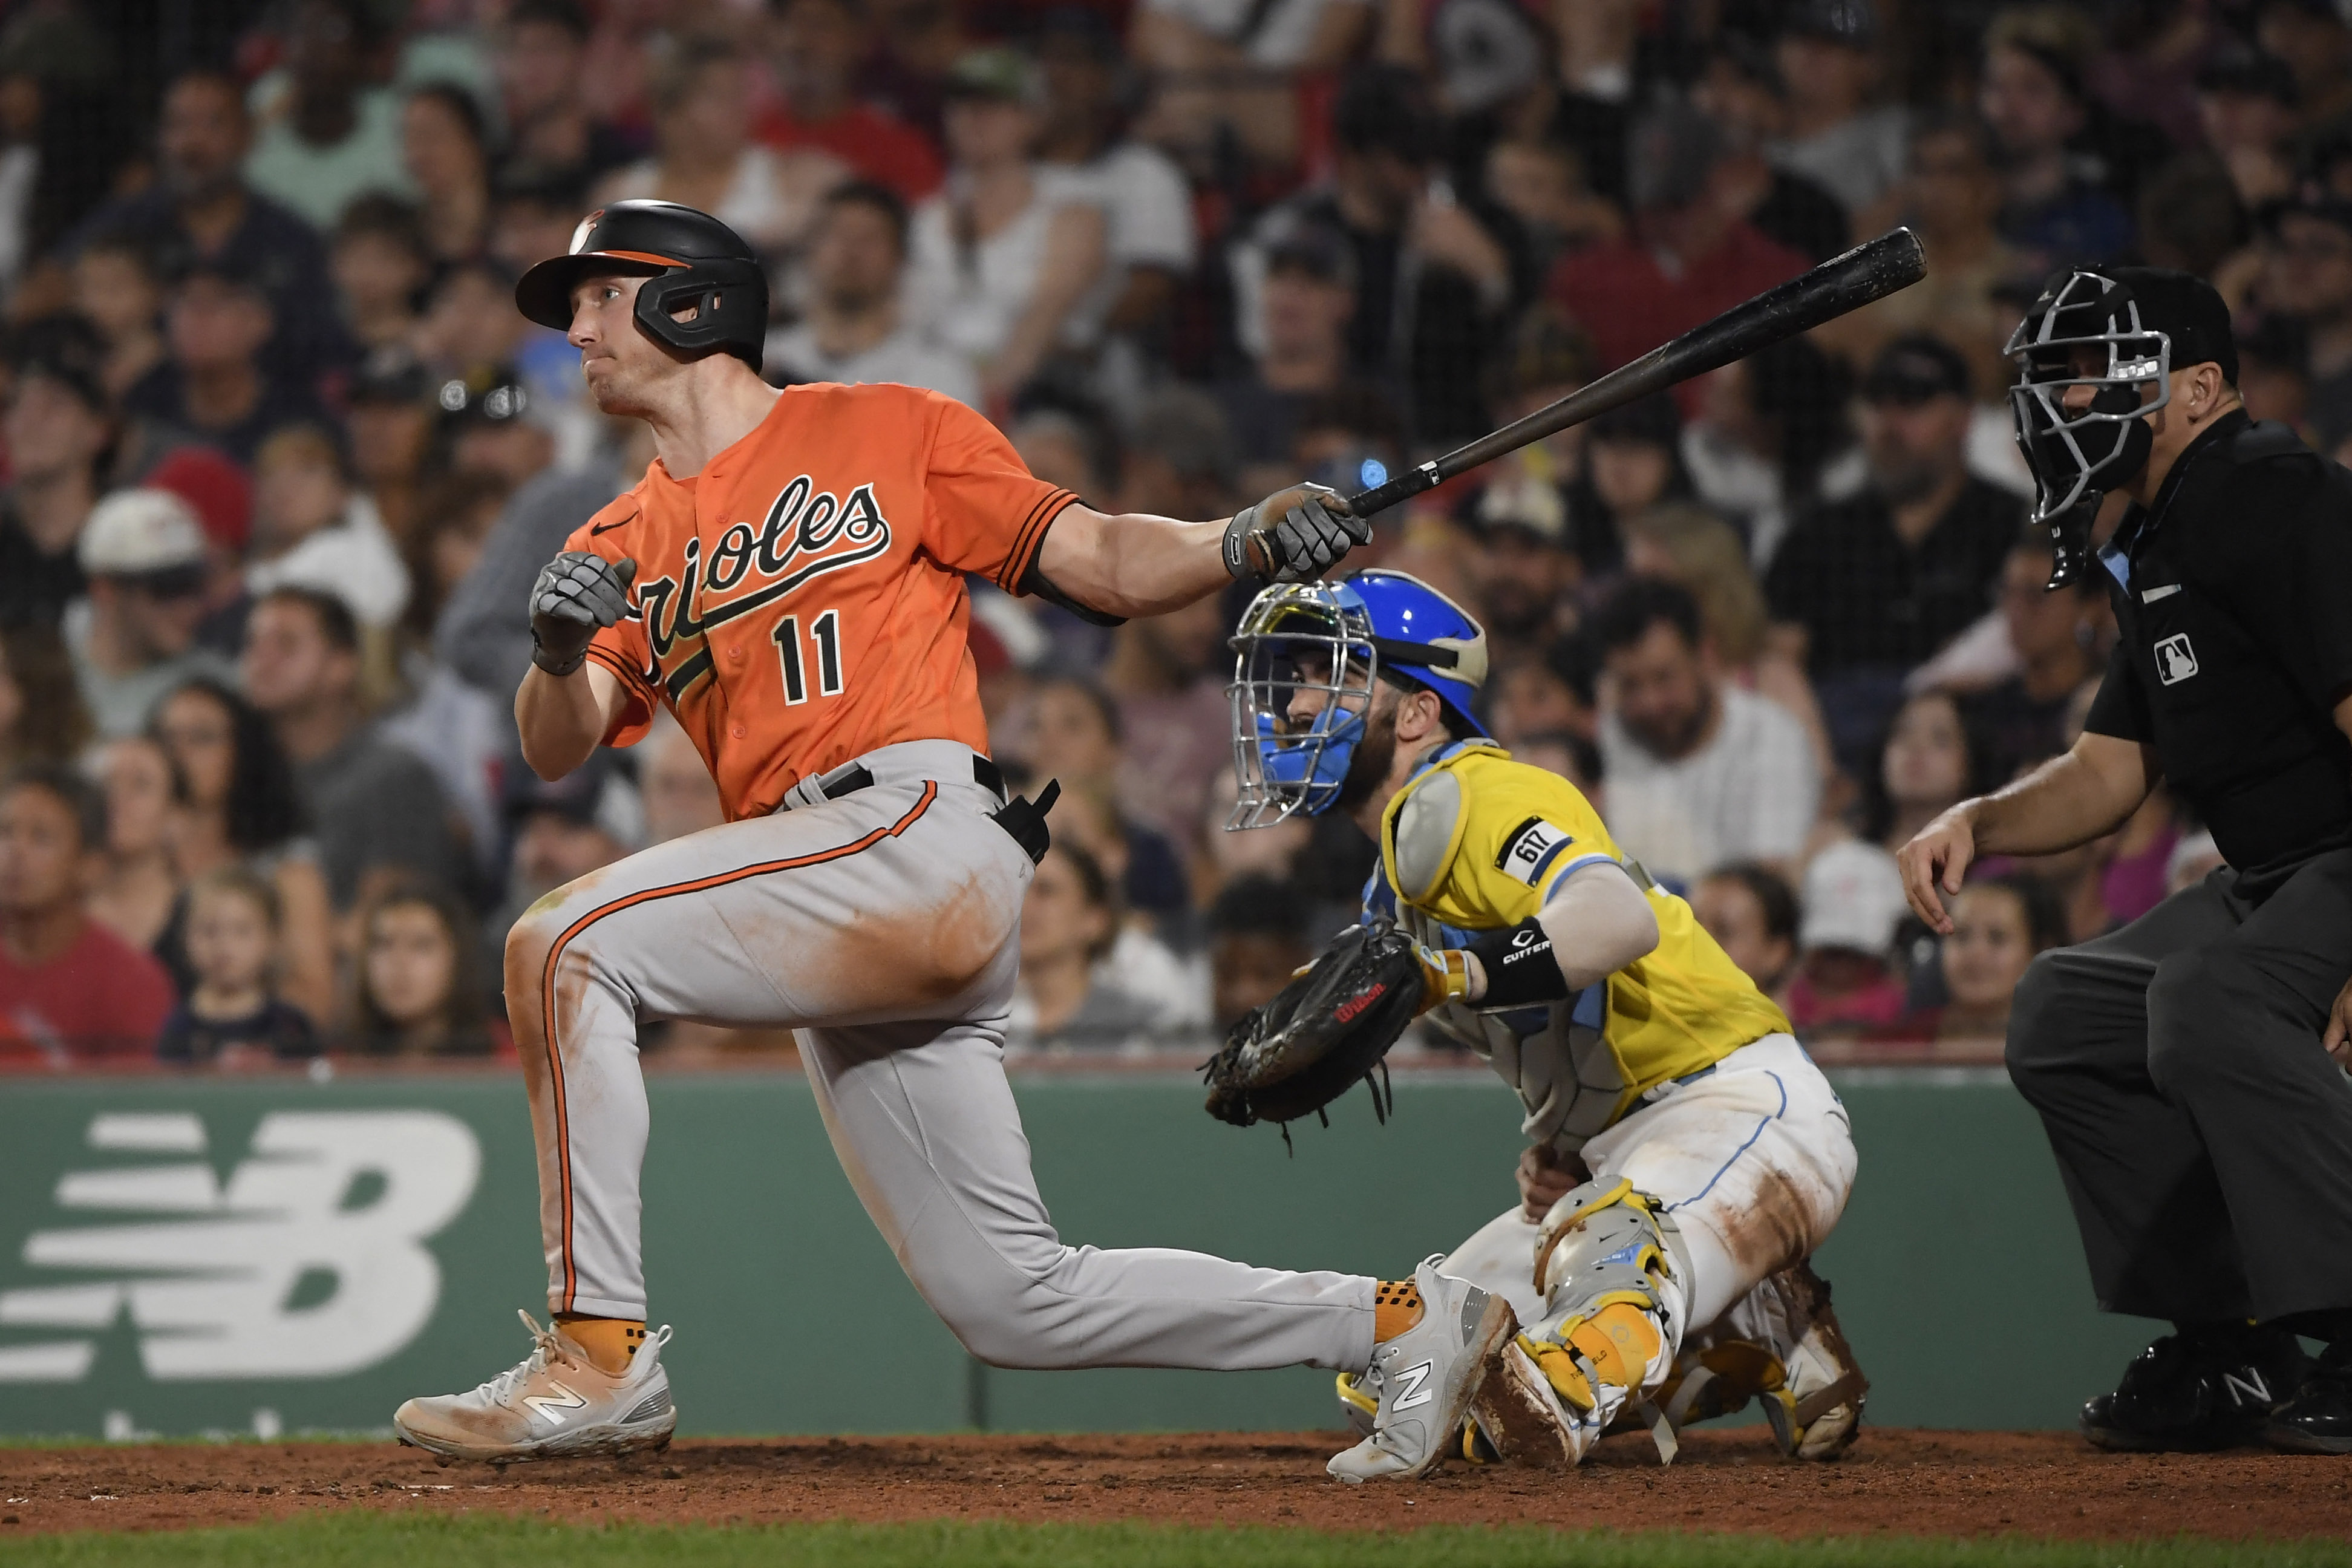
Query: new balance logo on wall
[[308, 1261]]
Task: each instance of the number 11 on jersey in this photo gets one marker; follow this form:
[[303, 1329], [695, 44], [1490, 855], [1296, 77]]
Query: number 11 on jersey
[[825, 632]]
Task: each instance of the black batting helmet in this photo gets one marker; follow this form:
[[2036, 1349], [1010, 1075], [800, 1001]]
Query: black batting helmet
[[693, 258]]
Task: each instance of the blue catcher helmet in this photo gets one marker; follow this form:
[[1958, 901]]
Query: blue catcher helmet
[[1330, 642]]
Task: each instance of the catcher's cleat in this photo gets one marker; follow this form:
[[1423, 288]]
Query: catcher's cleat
[[2318, 1419], [1359, 1399], [2208, 1386], [1426, 1378], [554, 1404]]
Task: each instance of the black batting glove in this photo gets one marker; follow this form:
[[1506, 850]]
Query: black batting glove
[[577, 593], [1293, 536]]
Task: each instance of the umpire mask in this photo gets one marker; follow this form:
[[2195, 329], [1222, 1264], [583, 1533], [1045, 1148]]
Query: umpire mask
[[2087, 330]]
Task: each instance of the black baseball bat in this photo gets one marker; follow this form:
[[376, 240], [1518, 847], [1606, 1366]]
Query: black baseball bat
[[1842, 283]]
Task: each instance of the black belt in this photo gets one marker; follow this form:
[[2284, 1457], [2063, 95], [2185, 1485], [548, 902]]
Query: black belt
[[1018, 816]]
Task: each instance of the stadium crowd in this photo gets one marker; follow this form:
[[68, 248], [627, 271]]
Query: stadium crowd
[[281, 458]]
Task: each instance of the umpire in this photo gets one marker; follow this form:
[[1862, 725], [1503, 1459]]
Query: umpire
[[2188, 1069]]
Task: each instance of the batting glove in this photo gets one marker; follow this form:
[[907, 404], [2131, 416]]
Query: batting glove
[[1293, 536], [577, 593]]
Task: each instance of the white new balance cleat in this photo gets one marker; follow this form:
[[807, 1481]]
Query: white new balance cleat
[[555, 1404], [1426, 1377]]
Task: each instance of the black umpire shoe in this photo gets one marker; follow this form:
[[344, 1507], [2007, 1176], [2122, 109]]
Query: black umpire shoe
[[2318, 1419], [2202, 1388]]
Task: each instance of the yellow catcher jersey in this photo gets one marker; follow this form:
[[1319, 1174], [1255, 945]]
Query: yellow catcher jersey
[[1476, 842]]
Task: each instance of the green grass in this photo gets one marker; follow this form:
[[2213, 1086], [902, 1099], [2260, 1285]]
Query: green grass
[[359, 1540]]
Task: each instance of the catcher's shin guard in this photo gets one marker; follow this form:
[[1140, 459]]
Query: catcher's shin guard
[[1781, 1346], [1612, 1267]]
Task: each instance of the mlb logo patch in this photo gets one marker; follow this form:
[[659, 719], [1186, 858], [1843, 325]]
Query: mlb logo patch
[[2175, 660]]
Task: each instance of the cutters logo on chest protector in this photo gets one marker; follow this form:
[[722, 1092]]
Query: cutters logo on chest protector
[[805, 534]]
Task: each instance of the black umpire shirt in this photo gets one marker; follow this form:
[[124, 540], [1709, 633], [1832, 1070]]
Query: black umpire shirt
[[2234, 595]]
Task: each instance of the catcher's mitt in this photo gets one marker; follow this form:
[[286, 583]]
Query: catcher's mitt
[[1327, 1028]]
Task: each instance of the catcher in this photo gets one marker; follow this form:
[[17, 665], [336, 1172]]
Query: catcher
[[1685, 1155]]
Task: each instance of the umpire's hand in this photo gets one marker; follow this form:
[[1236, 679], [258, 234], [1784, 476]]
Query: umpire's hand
[[1939, 854], [2338, 1037], [577, 593]]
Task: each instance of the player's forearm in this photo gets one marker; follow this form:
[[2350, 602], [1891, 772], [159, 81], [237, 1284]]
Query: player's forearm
[[560, 719], [1599, 922], [2073, 798], [1133, 563]]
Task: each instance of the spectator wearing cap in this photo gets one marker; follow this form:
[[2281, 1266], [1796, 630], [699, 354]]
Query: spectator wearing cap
[[1827, 57], [70, 988], [326, 135], [133, 638], [215, 385], [376, 808], [539, 57], [1306, 300], [1846, 982], [200, 209], [854, 330], [491, 423], [1523, 576], [1741, 91], [700, 93], [815, 47], [389, 420], [2246, 103], [116, 287], [58, 426], [1430, 276], [999, 261], [1701, 772], [1687, 258], [2055, 208], [2307, 279], [1148, 244], [380, 264], [1866, 589], [312, 529]]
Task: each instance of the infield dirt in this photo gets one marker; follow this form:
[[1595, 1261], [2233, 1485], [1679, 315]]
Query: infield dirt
[[1902, 1482]]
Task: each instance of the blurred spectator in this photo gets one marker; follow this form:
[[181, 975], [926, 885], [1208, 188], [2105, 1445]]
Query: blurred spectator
[[1632, 462], [1522, 575], [70, 988], [1176, 456], [2055, 209], [1064, 1001], [1872, 586], [560, 831], [704, 156], [1687, 258], [389, 419], [491, 423], [116, 288], [136, 889], [484, 634], [231, 1017], [378, 811], [133, 638], [1431, 277], [1075, 736], [1931, 761], [1741, 91], [420, 992], [1751, 911], [380, 262], [237, 805], [215, 385], [854, 330], [815, 49], [1225, 70], [1770, 439], [2024, 718], [1166, 678], [2307, 277], [1551, 694], [312, 529], [2246, 100], [41, 715], [1852, 902], [1257, 937], [460, 508], [542, 54], [1700, 772], [1572, 757], [470, 324], [200, 209], [326, 135], [1826, 55], [57, 427], [1148, 245], [1545, 357], [2311, 36], [1998, 924], [446, 148], [2274, 372], [1542, 183], [1001, 259], [680, 796], [537, 210]]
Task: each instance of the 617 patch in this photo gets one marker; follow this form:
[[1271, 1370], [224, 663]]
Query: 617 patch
[[1531, 848]]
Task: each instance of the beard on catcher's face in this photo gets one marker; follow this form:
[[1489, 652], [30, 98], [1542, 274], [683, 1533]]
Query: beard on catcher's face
[[1375, 754]]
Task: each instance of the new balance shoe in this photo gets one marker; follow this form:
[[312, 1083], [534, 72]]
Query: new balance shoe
[[554, 1404], [2208, 1386], [1426, 1378], [2319, 1418]]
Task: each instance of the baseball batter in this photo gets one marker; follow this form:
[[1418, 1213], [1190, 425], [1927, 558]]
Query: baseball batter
[[1685, 1155], [788, 579]]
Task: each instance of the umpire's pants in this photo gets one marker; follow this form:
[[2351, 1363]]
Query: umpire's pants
[[2204, 1136]]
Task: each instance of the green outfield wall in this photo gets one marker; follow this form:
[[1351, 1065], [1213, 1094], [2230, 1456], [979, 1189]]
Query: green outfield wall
[[279, 1255]]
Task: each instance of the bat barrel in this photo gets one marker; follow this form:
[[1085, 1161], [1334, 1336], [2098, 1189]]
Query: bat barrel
[[1868, 272]]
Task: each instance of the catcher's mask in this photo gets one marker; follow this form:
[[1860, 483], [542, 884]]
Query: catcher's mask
[[1334, 640], [688, 258]]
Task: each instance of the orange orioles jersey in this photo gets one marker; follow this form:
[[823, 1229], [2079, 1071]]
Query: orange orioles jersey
[[800, 601]]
